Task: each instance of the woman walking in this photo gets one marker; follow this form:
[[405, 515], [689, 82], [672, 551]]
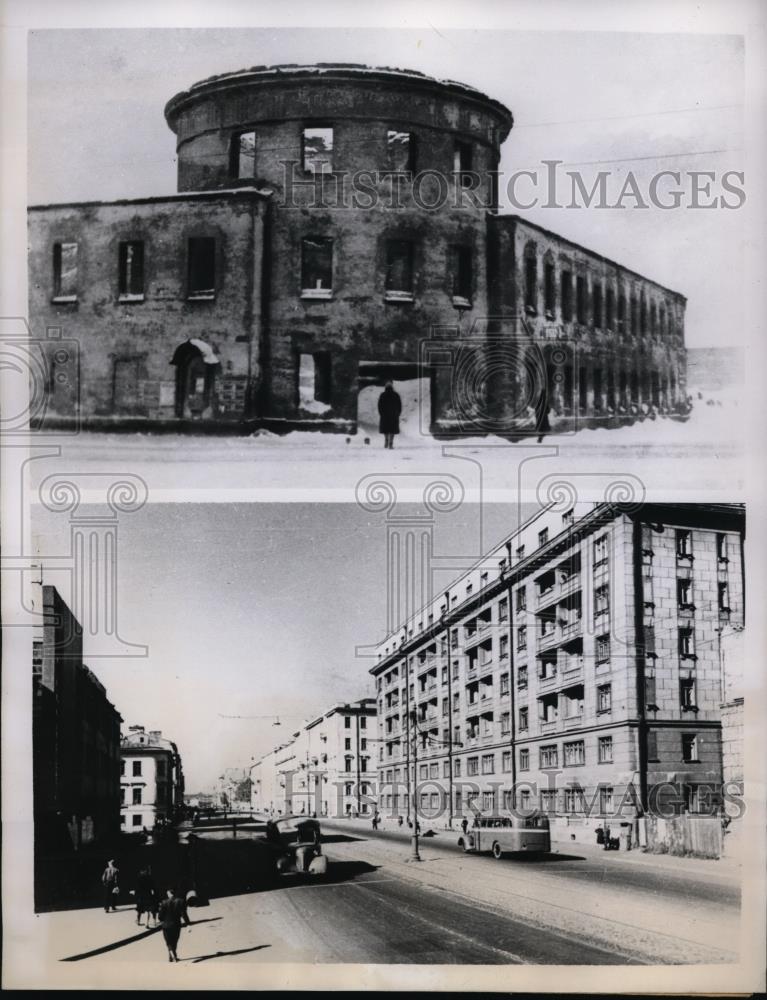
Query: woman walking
[[172, 915], [145, 896]]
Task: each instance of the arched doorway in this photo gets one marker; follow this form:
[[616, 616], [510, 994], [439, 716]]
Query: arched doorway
[[196, 366]]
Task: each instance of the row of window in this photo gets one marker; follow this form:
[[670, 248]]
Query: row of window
[[631, 315], [137, 768], [316, 270], [201, 269], [572, 754], [400, 154], [601, 551]]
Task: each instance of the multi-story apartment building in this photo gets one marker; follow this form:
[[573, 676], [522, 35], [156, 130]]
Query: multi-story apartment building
[[327, 768], [75, 734], [576, 669], [336, 226], [151, 780]]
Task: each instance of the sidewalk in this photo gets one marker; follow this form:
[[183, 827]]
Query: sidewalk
[[728, 867]]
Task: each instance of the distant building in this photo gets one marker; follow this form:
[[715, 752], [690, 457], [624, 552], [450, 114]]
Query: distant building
[[200, 800], [274, 286], [327, 767], [75, 735], [151, 780], [233, 790], [576, 669]]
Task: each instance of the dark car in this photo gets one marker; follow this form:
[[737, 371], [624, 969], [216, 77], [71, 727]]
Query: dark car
[[296, 843]]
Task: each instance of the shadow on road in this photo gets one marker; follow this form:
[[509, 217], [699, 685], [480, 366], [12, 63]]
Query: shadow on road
[[114, 945], [222, 954], [340, 838], [543, 859]]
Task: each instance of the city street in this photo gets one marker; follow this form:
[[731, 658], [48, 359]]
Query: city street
[[577, 908]]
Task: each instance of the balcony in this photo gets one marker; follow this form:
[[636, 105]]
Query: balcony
[[547, 726], [573, 721], [486, 665], [570, 629], [546, 595], [569, 585], [548, 640]]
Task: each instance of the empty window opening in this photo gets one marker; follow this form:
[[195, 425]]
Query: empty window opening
[[462, 274], [531, 281], [202, 267], [317, 149], [317, 267], [131, 269], [314, 382], [399, 268], [401, 151], [567, 296], [549, 290], [242, 155], [462, 160], [65, 270], [580, 303]]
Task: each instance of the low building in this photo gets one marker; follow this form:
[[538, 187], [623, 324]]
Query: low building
[[575, 669], [327, 768], [151, 780], [75, 735]]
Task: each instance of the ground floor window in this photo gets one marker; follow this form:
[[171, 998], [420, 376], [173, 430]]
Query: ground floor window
[[137, 819]]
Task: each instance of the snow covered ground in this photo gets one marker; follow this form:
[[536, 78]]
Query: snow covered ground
[[668, 458]]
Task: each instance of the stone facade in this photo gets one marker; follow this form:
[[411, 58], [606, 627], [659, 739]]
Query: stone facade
[[575, 669], [151, 780], [327, 768], [75, 735], [356, 238]]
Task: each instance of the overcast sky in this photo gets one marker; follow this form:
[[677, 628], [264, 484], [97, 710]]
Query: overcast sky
[[650, 102], [250, 609]]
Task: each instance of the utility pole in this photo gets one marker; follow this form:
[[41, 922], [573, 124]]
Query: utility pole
[[415, 856], [446, 620], [407, 734]]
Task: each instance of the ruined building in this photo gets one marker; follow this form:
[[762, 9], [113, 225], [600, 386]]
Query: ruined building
[[336, 226]]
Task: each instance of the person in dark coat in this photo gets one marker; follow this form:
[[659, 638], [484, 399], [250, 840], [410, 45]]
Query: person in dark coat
[[172, 915], [145, 896], [389, 410], [109, 881]]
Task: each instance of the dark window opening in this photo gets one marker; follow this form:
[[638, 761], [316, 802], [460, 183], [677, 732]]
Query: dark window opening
[[65, 270], [316, 265], [317, 149], [597, 305], [401, 151], [131, 268], [462, 273], [621, 312], [597, 388], [610, 309], [399, 267], [242, 155], [531, 281], [567, 296], [580, 299], [202, 267], [462, 160], [549, 290]]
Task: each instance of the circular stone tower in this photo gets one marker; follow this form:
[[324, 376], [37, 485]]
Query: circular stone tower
[[375, 245]]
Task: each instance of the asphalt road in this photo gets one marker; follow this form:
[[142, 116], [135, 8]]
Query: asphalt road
[[376, 907]]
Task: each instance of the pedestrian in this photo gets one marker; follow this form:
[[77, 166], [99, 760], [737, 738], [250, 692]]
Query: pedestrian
[[399, 821], [172, 914], [389, 410], [464, 825], [145, 896], [109, 881]]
